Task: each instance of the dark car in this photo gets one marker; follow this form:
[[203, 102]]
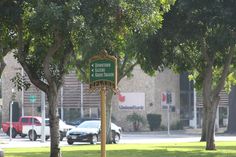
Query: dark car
[[89, 131], [80, 120]]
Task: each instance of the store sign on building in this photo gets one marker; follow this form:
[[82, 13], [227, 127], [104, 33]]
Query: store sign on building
[[103, 71], [130, 101]]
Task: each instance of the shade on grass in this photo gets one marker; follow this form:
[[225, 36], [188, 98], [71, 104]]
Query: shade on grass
[[193, 149]]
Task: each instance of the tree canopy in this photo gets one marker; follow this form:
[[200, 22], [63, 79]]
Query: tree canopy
[[40, 34], [199, 37], [44, 35], [116, 26], [119, 27]]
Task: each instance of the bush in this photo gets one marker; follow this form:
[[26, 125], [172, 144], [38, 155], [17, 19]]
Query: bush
[[154, 121], [163, 128], [137, 120], [177, 126]]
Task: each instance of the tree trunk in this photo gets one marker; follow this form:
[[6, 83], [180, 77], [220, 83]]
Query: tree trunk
[[232, 111], [2, 66], [108, 112], [54, 122], [210, 126], [204, 119]]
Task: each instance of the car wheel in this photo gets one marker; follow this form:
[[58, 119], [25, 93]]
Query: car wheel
[[32, 135], [116, 138], [94, 139], [70, 142], [61, 136], [47, 137], [14, 133]]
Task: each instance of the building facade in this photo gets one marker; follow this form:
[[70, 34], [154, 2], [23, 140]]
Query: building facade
[[140, 94], [152, 90]]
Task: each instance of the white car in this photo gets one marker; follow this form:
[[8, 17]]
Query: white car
[[89, 131]]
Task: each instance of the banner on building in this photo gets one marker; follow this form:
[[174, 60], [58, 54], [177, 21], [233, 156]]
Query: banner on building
[[167, 98], [131, 100]]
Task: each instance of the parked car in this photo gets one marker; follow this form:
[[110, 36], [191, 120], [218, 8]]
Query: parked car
[[18, 126], [89, 131], [80, 120], [34, 131]]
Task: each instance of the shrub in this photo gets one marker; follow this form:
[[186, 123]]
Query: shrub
[[163, 128], [136, 120], [154, 121], [177, 126]]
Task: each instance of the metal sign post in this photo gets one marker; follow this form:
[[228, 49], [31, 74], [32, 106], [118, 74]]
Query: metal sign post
[[11, 120], [11, 105], [43, 137], [103, 121], [32, 100], [103, 76], [168, 119]]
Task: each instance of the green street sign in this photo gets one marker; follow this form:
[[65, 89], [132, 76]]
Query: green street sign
[[103, 71], [32, 98]]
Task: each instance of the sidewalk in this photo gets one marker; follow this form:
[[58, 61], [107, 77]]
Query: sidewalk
[[188, 131]]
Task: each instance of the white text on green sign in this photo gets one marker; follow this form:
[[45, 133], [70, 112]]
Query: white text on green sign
[[102, 70]]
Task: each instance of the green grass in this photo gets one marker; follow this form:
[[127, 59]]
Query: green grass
[[192, 149]]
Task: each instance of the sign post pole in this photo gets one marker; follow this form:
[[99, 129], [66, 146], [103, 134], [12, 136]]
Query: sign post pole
[[103, 121], [32, 100], [11, 104], [168, 119]]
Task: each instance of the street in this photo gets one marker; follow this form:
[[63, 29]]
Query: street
[[126, 138]]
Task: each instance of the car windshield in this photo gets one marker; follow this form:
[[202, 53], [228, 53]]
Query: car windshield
[[61, 123], [90, 124]]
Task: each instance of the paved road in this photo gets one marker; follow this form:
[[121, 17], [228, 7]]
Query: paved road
[[125, 139]]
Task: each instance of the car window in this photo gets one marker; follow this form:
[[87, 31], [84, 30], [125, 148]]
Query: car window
[[34, 120], [24, 120], [61, 123], [89, 124]]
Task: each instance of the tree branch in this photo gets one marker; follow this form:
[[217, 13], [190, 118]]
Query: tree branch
[[23, 49], [203, 49], [225, 71], [51, 51], [124, 63], [64, 60], [127, 71]]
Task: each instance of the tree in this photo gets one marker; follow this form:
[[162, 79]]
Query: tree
[[6, 42], [43, 35], [232, 108], [199, 37], [115, 26]]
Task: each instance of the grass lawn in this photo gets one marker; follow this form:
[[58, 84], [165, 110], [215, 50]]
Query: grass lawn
[[192, 149]]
